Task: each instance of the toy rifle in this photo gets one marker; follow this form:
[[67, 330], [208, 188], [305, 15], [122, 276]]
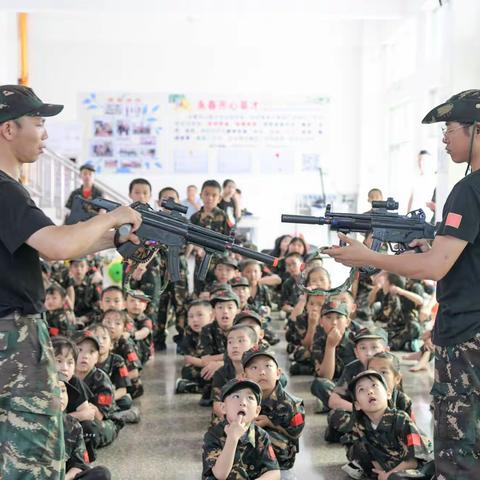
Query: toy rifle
[[166, 228]]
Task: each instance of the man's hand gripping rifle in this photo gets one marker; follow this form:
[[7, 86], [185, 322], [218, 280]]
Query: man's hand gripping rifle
[[168, 228], [398, 231]]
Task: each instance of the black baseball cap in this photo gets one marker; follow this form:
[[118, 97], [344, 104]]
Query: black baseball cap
[[371, 334], [80, 337], [248, 314], [88, 166], [365, 373], [249, 355], [235, 384], [18, 100]]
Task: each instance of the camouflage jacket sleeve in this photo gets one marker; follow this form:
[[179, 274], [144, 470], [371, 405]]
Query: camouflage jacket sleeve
[[414, 444], [350, 370], [318, 344], [103, 391], [212, 448], [129, 355], [218, 381], [266, 455], [75, 450], [290, 415], [119, 376]]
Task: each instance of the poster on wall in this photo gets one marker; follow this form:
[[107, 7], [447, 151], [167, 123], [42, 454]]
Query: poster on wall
[[203, 133], [123, 133]]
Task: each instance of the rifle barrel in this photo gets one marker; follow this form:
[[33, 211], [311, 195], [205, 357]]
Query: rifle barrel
[[304, 219]]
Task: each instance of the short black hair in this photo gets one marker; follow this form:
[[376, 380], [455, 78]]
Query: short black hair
[[251, 333], [375, 190], [315, 270], [248, 262], [92, 328], [167, 189], [111, 288], [199, 303], [64, 346], [139, 181], [211, 183], [55, 287], [226, 182], [294, 254], [424, 152], [302, 241], [121, 313]]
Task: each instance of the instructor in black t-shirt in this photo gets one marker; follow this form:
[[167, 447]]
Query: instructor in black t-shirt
[[454, 261], [31, 430]]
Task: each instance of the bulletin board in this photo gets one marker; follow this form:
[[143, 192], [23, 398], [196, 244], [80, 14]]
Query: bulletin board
[[194, 133]]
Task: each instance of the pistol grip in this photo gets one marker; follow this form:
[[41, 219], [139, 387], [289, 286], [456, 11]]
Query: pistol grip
[[173, 263], [203, 270], [127, 249]]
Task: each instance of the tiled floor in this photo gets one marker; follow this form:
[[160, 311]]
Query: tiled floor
[[167, 443]]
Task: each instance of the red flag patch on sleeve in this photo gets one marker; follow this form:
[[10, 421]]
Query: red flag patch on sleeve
[[123, 371], [54, 331], [271, 453], [132, 357], [104, 399], [453, 220], [86, 458], [296, 420], [413, 439]]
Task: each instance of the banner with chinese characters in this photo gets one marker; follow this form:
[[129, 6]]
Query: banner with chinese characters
[[193, 133]]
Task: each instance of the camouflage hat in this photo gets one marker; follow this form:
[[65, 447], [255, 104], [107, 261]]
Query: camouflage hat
[[78, 260], [227, 260], [139, 295], [371, 334], [239, 282], [216, 286], [18, 100], [249, 355], [335, 306], [248, 314], [464, 107], [365, 373], [235, 384], [80, 337], [224, 295], [88, 166]]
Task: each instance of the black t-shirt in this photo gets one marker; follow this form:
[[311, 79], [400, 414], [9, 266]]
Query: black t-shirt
[[78, 393], [458, 318], [21, 284]]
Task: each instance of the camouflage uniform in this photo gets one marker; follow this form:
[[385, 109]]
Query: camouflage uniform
[[190, 345], [344, 354], [396, 439], [221, 377], [213, 340], [86, 298], [285, 411], [114, 366], [217, 221], [103, 392], [59, 323], [295, 332], [253, 457], [290, 292], [456, 401], [30, 412], [144, 347], [126, 349]]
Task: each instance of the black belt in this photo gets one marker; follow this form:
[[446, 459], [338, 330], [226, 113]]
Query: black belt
[[16, 314]]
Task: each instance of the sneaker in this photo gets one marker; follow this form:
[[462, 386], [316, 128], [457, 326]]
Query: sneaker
[[132, 415], [354, 471], [182, 385], [320, 407]]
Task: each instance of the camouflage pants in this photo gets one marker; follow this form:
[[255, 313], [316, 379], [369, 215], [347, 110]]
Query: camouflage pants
[[106, 431], [31, 423], [285, 449], [339, 423], [400, 339], [456, 399], [322, 388], [189, 372]]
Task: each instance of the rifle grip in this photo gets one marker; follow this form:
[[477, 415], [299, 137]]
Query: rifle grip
[[173, 263], [127, 249], [203, 270]]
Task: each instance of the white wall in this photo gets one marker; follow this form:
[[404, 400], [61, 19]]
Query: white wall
[[287, 54], [9, 72]]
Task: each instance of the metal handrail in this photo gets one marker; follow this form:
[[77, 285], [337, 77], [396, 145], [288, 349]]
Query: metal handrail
[[53, 177]]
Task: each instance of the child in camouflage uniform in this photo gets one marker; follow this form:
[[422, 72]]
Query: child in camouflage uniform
[[86, 292], [75, 450], [331, 350], [236, 448], [102, 389], [282, 415], [199, 314], [240, 338], [382, 440], [59, 320], [116, 322], [290, 290]]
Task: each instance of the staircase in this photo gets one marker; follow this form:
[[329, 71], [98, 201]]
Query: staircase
[[51, 179]]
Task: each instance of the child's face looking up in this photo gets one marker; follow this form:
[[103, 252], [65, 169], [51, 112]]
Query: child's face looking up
[[225, 313], [115, 326], [198, 317], [87, 356], [264, 371], [370, 395], [384, 366], [241, 403]]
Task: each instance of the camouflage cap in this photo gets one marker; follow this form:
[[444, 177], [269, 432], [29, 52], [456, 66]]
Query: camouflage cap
[[365, 373], [236, 384], [249, 355], [371, 334], [464, 107], [227, 260], [139, 295], [224, 295], [17, 101], [80, 337], [335, 306], [216, 286], [239, 282], [248, 314]]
